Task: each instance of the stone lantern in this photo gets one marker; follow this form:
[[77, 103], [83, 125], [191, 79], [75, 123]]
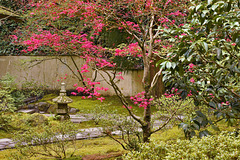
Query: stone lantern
[[62, 103]]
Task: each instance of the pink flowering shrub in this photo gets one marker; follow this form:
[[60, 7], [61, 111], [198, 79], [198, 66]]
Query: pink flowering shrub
[[140, 100]]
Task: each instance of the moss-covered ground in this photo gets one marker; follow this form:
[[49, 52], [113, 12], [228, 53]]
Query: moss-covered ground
[[104, 145], [110, 103], [94, 147]]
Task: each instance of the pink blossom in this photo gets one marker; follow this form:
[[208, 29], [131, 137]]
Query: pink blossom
[[105, 89], [74, 93], [120, 77], [85, 71], [96, 94], [129, 107], [192, 80], [191, 65], [75, 85], [228, 40], [14, 37], [101, 99]]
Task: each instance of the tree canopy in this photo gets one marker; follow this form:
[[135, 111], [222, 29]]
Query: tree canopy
[[206, 60]]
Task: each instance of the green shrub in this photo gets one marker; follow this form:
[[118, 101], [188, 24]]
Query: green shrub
[[129, 132], [7, 101], [55, 140], [31, 88], [10, 97], [218, 147], [36, 119], [185, 109]]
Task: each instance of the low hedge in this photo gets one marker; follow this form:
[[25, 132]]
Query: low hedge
[[223, 146]]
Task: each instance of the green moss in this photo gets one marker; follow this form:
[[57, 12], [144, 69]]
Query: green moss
[[168, 135], [110, 103], [84, 105], [4, 134], [48, 98], [103, 145], [87, 124]]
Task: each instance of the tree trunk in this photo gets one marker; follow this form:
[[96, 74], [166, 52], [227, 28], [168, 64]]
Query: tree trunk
[[147, 126], [159, 89], [147, 112]]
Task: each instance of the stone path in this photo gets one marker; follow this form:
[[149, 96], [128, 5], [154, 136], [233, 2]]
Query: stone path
[[75, 118], [7, 143], [83, 133]]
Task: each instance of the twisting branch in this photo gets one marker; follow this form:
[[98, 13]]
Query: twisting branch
[[110, 135], [150, 52], [168, 120], [155, 79], [78, 70], [80, 80], [120, 96], [136, 37], [37, 61]]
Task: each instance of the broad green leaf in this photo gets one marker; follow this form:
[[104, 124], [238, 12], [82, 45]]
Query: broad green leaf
[[198, 6], [168, 65], [205, 46], [174, 65], [214, 6], [209, 2], [188, 53], [219, 114], [215, 128], [219, 53], [159, 62], [200, 114], [196, 126]]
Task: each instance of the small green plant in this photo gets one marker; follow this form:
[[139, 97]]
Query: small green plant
[[187, 113], [10, 96], [218, 147], [97, 113], [55, 140], [129, 134], [32, 88], [36, 119], [183, 108], [7, 101]]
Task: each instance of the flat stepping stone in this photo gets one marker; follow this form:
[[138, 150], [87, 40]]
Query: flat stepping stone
[[89, 133], [30, 111], [6, 143], [73, 118]]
